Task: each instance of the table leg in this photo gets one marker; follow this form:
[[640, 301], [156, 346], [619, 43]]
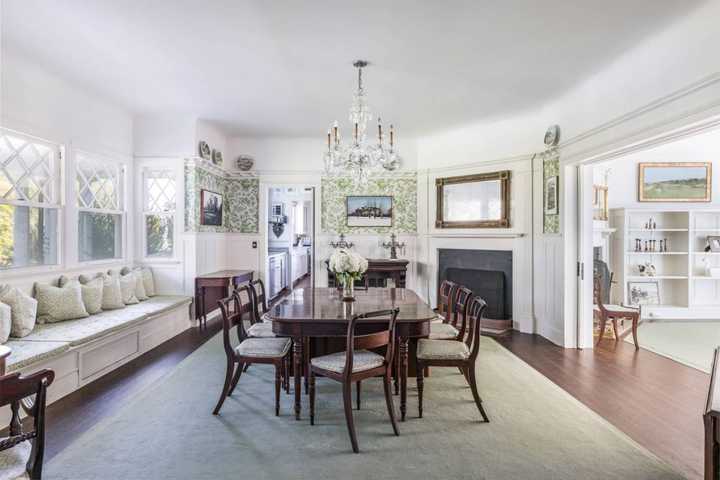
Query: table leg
[[403, 376], [297, 370]]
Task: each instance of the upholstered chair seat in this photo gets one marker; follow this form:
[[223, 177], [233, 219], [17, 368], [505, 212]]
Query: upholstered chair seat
[[335, 362], [261, 330], [442, 350], [264, 347], [14, 460], [617, 308], [443, 331]]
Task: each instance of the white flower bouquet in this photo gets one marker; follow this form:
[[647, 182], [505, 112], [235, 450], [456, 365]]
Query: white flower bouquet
[[347, 266]]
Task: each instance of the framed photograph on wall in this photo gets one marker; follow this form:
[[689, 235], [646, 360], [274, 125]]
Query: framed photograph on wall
[[643, 293], [600, 202], [714, 243], [551, 196], [675, 182], [369, 211], [211, 208]]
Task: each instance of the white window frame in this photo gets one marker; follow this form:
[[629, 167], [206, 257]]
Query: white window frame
[[121, 210], [176, 166], [172, 213], [56, 201]]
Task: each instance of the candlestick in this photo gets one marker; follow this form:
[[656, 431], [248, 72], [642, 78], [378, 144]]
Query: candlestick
[[379, 131], [356, 132], [328, 139], [335, 128], [392, 136]]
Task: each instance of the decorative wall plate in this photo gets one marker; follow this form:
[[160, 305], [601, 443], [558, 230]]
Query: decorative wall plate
[[204, 150], [552, 136], [217, 157], [244, 163]]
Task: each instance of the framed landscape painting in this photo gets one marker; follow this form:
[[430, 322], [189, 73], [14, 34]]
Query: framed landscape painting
[[211, 208], [369, 211], [675, 182], [643, 293]]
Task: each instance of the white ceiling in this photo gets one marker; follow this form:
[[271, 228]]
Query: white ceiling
[[275, 67]]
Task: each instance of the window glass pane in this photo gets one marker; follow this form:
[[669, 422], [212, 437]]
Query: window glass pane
[[159, 235], [97, 183], [26, 169], [28, 236], [99, 236], [159, 191]]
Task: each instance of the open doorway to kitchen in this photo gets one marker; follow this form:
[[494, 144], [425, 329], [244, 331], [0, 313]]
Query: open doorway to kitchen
[[290, 239]]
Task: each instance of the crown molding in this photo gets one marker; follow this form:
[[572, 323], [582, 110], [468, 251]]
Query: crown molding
[[210, 167]]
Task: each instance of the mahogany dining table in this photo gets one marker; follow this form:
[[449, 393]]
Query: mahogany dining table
[[321, 312]]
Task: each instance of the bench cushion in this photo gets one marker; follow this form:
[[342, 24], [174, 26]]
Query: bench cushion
[[24, 353], [84, 330]]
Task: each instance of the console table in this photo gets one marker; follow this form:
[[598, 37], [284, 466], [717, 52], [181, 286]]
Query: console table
[[211, 287], [378, 272]]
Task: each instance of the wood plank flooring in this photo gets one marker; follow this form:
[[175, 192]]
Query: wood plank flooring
[[654, 400]]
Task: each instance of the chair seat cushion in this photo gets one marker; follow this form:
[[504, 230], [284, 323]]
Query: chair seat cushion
[[442, 350], [618, 308], [335, 362], [443, 331], [14, 460], [264, 347], [25, 353], [261, 330]]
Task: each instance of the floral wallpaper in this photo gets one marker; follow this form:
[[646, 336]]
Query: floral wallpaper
[[402, 189], [240, 196], [551, 168]]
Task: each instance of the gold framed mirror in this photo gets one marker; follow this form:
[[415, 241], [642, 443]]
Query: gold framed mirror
[[474, 201]]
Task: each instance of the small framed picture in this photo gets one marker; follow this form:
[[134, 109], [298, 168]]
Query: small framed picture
[[714, 242], [369, 211], [551, 196], [643, 293], [600, 202], [211, 208], [675, 182]]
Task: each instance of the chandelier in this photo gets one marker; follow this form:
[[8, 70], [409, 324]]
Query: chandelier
[[362, 156]]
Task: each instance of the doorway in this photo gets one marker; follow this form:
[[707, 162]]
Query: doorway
[[290, 246]]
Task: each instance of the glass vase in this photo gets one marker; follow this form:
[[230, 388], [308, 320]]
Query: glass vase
[[348, 291]]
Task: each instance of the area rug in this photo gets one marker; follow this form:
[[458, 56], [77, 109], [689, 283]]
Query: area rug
[[691, 343], [537, 431]]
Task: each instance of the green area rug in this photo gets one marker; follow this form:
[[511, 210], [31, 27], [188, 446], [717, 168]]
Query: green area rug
[[537, 431], [691, 343]]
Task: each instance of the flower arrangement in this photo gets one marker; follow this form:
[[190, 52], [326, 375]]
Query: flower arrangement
[[347, 266]]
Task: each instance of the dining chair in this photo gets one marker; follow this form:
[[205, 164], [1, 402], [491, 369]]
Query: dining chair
[[260, 327], [21, 453], [272, 351], [358, 363], [603, 312], [452, 353], [451, 326], [445, 294]]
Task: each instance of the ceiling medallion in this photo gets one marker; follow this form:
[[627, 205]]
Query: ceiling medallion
[[361, 156]]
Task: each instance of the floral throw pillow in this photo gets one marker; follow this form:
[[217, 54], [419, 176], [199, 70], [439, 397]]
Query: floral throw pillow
[[5, 322], [92, 292], [23, 310], [56, 304]]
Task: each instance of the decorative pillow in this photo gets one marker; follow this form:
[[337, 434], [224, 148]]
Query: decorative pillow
[[139, 285], [128, 284], [92, 292], [112, 298], [23, 309], [56, 304], [148, 281], [5, 322]]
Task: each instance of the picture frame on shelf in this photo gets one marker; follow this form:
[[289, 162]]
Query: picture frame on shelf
[[211, 208], [643, 293], [600, 202], [551, 195], [369, 210], [714, 243], [675, 182]]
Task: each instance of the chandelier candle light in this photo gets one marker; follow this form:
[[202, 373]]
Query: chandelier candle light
[[361, 157], [347, 266]]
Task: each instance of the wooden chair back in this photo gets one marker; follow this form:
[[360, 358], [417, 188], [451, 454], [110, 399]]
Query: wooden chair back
[[257, 288], [711, 420], [475, 312], [233, 310], [445, 296], [461, 303], [370, 340], [15, 390]]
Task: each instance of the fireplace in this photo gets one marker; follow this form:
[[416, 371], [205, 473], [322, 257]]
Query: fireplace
[[489, 274]]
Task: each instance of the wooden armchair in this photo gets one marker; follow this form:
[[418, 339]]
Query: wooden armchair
[[452, 353], [358, 363], [22, 452], [613, 313]]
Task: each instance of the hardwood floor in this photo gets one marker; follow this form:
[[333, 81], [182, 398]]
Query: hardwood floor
[[654, 400]]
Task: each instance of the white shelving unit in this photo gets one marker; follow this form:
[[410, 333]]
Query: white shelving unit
[[686, 292]]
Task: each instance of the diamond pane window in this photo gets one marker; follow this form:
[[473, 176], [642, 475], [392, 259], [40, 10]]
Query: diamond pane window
[[159, 211], [98, 183], [159, 191], [26, 169]]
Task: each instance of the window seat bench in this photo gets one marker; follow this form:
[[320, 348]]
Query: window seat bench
[[81, 351]]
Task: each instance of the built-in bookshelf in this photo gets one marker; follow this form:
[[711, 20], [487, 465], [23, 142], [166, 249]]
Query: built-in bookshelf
[[674, 242]]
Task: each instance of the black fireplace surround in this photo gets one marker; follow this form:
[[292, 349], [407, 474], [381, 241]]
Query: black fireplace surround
[[488, 273]]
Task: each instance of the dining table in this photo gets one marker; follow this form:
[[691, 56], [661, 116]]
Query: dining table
[[308, 313]]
